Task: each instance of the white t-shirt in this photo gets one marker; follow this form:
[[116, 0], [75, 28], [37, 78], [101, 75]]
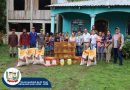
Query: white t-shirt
[[93, 38], [86, 37]]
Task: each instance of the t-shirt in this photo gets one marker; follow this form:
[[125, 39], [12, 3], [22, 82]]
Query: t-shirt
[[78, 40], [86, 37], [41, 39], [33, 37], [93, 39]]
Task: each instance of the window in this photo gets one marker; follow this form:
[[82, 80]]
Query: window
[[37, 27], [19, 4], [43, 4], [48, 28], [77, 24], [19, 26]]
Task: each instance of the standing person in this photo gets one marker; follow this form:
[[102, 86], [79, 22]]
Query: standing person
[[57, 38], [99, 46], [62, 37], [33, 38], [13, 43], [51, 40], [93, 39], [108, 46], [78, 43], [66, 37], [72, 38], [47, 44], [86, 39], [24, 39], [103, 46], [118, 41], [93, 28], [41, 39]]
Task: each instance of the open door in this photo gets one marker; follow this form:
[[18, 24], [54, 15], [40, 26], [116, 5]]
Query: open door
[[101, 26]]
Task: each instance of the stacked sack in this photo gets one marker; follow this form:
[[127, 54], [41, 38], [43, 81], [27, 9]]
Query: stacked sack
[[90, 56], [30, 56]]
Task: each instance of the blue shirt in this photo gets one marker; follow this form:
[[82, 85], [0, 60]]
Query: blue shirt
[[33, 37]]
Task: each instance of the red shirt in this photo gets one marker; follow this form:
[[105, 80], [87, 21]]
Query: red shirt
[[13, 40], [24, 39]]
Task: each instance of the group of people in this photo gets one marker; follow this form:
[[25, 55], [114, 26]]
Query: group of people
[[101, 41]]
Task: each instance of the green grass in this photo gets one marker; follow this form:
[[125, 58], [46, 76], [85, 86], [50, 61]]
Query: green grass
[[103, 76]]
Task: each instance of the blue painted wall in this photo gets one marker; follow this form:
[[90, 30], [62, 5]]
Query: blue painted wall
[[115, 19], [116, 16], [69, 17]]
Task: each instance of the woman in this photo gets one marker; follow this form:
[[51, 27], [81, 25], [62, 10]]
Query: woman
[[108, 46], [66, 37], [51, 43], [103, 52], [57, 38], [93, 39], [100, 46], [47, 46], [62, 37], [72, 38]]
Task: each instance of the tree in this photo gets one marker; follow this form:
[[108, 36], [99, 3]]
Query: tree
[[2, 16]]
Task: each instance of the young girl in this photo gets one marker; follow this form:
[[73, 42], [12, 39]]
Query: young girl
[[66, 37], [47, 46], [51, 42]]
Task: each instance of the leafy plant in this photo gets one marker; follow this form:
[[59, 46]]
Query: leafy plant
[[126, 49]]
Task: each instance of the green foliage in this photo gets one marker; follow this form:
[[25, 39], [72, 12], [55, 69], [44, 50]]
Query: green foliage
[[128, 37], [126, 49], [2, 15]]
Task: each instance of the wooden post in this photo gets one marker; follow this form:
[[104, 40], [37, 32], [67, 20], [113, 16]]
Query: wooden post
[[31, 15], [7, 23]]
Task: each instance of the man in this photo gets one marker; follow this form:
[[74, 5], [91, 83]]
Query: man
[[86, 39], [118, 41], [24, 39], [13, 43], [33, 38], [78, 43], [41, 39]]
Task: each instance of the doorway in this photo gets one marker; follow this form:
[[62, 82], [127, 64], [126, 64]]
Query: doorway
[[101, 26], [128, 29]]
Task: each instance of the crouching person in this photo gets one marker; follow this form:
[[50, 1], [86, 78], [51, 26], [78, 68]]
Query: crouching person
[[13, 43]]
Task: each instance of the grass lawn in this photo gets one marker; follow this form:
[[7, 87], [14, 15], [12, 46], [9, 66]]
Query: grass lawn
[[75, 77]]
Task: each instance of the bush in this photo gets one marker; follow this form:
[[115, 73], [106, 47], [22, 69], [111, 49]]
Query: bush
[[126, 49], [1, 40]]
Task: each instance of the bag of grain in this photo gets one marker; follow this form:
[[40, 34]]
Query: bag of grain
[[30, 55], [39, 56], [22, 56]]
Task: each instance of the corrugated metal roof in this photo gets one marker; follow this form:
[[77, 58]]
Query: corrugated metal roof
[[94, 3]]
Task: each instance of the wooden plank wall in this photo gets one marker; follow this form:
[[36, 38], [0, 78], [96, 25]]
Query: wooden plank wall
[[25, 14]]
